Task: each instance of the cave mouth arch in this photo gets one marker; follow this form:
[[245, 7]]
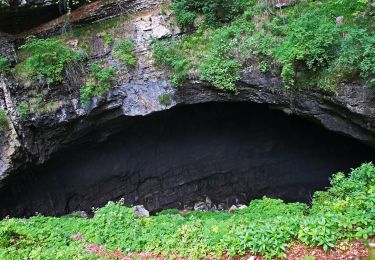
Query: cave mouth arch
[[230, 152]]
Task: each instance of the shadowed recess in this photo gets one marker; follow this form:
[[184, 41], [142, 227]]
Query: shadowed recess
[[230, 152]]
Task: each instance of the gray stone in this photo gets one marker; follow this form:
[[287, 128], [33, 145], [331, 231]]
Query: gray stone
[[141, 212], [232, 209], [339, 21], [201, 206], [241, 206]]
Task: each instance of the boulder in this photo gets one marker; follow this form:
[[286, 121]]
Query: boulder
[[141, 212]]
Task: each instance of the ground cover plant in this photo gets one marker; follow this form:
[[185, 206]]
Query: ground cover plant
[[327, 42], [124, 52], [345, 212], [101, 79], [45, 57]]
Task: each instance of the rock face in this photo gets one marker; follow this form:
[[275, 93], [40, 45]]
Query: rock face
[[127, 144]]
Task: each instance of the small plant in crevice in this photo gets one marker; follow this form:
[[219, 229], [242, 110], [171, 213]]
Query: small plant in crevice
[[101, 79], [23, 110], [165, 53], [4, 120], [107, 38], [163, 11], [165, 99], [4, 66], [45, 57], [124, 52]]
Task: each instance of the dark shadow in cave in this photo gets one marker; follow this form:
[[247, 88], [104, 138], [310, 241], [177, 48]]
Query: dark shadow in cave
[[227, 151], [14, 20]]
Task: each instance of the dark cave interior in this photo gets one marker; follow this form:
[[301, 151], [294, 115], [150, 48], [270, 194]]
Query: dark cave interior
[[227, 151]]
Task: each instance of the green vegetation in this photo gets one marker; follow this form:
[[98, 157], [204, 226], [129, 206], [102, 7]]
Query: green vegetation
[[95, 28], [208, 52], [4, 120], [165, 99], [302, 41], [124, 52], [344, 212], [101, 81], [23, 110], [4, 65], [106, 29], [46, 57], [214, 11], [107, 38], [166, 53]]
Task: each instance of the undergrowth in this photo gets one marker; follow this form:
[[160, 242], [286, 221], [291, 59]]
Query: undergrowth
[[45, 57], [124, 52], [101, 79], [344, 212], [302, 41]]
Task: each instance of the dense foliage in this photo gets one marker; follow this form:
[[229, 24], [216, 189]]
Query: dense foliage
[[268, 226], [101, 80], [325, 42], [214, 11], [46, 57]]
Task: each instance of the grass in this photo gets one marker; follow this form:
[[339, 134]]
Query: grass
[[344, 212]]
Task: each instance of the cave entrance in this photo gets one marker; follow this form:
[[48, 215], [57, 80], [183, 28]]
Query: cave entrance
[[14, 20], [230, 152]]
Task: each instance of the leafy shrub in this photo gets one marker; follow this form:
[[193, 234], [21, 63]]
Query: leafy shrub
[[4, 120], [309, 40], [46, 57], [101, 81], [271, 238], [167, 53], [207, 54], [124, 52], [221, 72], [4, 65], [214, 11]]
